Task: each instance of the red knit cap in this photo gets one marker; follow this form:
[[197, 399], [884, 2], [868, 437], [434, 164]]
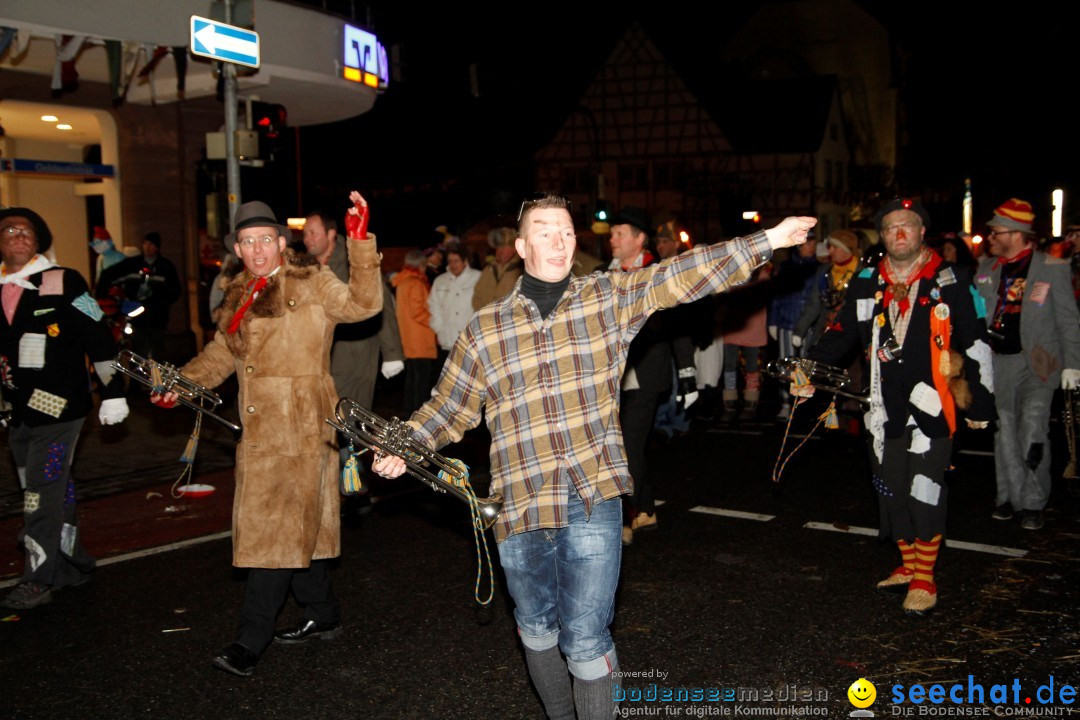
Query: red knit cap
[[1014, 214], [101, 233]]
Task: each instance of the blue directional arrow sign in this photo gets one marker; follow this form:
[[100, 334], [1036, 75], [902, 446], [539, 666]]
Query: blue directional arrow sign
[[218, 41]]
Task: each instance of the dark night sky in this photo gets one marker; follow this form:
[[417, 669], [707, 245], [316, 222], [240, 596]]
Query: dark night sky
[[987, 94]]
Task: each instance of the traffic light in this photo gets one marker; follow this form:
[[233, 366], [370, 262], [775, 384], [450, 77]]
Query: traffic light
[[269, 120], [601, 218]]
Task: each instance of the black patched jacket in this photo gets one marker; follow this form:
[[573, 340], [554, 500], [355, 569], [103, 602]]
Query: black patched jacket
[[43, 351], [864, 310]]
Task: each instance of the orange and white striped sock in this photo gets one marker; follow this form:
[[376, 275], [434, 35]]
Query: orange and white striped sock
[[926, 553]]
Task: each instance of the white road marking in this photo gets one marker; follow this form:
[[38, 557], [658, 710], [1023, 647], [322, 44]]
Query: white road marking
[[146, 553], [958, 544], [732, 513]]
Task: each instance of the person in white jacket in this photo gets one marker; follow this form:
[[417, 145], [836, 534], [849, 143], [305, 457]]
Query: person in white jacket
[[450, 301]]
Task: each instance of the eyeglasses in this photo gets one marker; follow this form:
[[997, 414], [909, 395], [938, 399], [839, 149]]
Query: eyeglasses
[[265, 241], [995, 233], [13, 230], [548, 199], [893, 229]]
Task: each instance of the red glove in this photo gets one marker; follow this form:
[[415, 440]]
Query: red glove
[[356, 219], [160, 401]]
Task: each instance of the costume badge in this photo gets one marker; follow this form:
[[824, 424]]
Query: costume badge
[[43, 311], [88, 306], [52, 283], [880, 320], [941, 311], [1039, 293], [31, 502], [47, 403], [53, 330], [878, 296], [935, 294]]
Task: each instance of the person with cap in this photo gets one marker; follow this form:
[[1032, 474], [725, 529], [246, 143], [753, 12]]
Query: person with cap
[[103, 247], [917, 320], [275, 330], [500, 275], [150, 281], [831, 283], [543, 366], [1034, 331], [50, 326], [647, 378]]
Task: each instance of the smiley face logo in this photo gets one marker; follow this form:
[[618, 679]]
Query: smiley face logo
[[862, 693]]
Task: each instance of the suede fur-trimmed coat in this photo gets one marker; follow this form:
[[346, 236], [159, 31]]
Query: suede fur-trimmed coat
[[286, 509]]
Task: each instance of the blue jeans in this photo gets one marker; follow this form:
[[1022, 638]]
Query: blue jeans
[[563, 583]]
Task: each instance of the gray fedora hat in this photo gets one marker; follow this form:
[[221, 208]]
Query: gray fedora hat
[[256, 214]]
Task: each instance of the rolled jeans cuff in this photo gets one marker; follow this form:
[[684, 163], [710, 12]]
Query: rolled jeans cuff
[[593, 669], [539, 643]]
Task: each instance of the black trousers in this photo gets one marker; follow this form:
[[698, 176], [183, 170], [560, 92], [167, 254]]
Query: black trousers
[[912, 494], [637, 415], [266, 591], [420, 377], [54, 554]]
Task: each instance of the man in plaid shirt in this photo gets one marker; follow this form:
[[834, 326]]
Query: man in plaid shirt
[[544, 364]]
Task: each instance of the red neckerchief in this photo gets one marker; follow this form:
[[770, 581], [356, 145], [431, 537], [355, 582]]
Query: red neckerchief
[[646, 260], [1019, 256], [930, 265], [253, 288]]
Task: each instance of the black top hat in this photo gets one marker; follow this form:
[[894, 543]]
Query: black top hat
[[41, 228], [256, 214], [636, 216]]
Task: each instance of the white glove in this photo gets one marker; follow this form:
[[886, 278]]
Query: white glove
[[773, 331], [796, 341], [113, 411], [390, 368], [1070, 379], [689, 398]]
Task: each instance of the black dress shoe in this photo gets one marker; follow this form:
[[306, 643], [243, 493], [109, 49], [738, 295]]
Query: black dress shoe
[[306, 630], [236, 659]]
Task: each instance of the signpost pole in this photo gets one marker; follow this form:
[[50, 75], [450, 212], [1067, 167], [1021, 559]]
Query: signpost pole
[[232, 164]]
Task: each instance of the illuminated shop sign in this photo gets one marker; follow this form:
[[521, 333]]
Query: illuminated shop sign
[[365, 59]]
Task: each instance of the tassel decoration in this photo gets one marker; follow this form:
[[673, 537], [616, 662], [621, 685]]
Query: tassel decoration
[[829, 417], [351, 483]]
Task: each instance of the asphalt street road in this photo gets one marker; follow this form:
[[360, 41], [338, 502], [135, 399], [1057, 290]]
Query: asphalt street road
[[737, 590]]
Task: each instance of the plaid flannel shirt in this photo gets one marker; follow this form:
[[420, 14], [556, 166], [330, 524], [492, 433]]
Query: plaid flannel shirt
[[550, 387]]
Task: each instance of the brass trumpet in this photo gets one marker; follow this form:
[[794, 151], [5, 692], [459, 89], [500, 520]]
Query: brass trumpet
[[163, 378], [824, 377], [394, 437]]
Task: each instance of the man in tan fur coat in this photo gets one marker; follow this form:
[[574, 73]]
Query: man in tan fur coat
[[275, 331]]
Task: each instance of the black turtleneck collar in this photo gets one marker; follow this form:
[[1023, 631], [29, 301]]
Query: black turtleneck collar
[[545, 294]]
